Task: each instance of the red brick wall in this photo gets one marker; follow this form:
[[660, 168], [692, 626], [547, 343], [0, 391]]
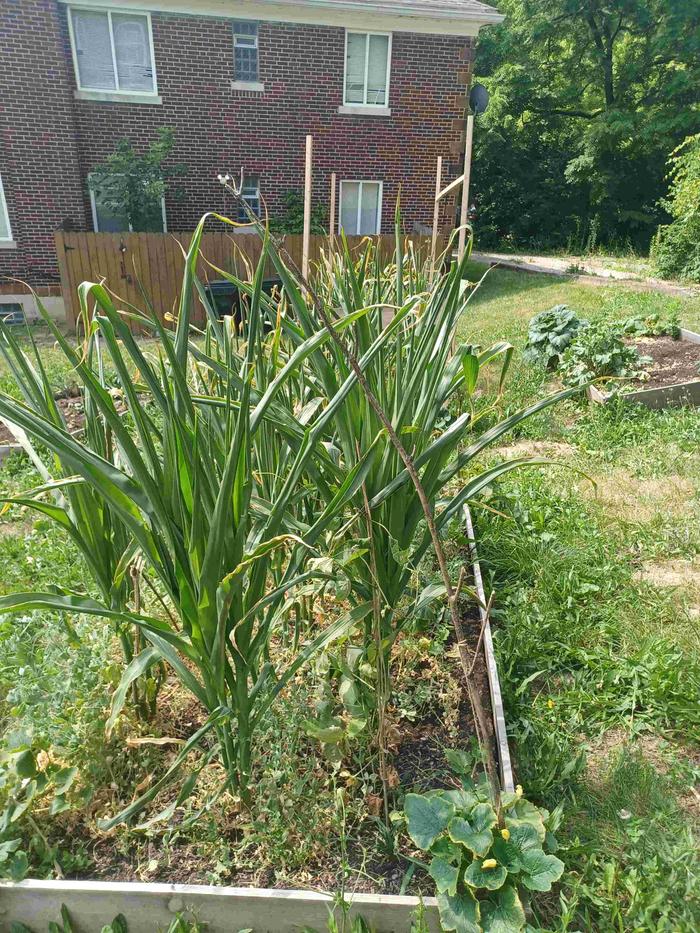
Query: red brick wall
[[38, 143], [219, 130]]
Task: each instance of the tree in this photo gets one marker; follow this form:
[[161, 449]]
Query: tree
[[590, 96], [132, 186], [676, 249]]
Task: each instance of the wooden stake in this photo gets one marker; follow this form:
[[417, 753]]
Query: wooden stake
[[307, 208], [331, 225], [464, 211], [436, 216]]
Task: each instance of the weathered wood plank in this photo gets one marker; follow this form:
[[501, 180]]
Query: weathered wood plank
[[149, 907]]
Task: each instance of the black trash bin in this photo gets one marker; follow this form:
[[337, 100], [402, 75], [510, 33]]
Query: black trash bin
[[225, 297]]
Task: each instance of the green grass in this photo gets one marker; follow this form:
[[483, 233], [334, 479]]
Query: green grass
[[600, 665]]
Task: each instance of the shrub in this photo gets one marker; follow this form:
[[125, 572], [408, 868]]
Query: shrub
[[549, 334], [676, 248], [598, 351]]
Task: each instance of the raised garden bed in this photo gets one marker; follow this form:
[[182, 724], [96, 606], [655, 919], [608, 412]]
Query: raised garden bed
[[150, 906], [673, 374]]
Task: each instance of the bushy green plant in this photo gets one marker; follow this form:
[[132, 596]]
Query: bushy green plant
[[676, 248], [291, 218], [132, 185], [484, 862], [598, 351], [653, 325], [549, 333]]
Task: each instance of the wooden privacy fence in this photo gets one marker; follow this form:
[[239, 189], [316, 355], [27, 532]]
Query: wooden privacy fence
[[154, 262]]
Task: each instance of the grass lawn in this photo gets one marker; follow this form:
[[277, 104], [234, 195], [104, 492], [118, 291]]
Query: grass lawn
[[598, 599]]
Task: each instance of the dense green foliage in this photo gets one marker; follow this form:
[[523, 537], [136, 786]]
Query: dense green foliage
[[676, 250], [132, 184], [588, 100], [549, 334]]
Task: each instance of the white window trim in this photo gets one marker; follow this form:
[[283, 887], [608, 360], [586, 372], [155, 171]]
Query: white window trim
[[6, 241], [366, 107], [93, 208], [116, 92], [361, 182]]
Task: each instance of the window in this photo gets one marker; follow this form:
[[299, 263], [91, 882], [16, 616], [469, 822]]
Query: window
[[106, 220], [361, 207], [113, 51], [367, 60], [250, 192], [5, 229], [245, 51]]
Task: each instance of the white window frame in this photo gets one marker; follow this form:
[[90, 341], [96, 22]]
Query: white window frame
[[116, 90], [365, 105], [361, 182], [93, 208], [5, 214]]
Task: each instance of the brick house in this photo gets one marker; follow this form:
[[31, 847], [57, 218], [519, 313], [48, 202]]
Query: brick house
[[380, 84]]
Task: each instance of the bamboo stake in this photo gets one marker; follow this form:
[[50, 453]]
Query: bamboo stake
[[436, 216], [464, 211], [331, 224], [307, 208]]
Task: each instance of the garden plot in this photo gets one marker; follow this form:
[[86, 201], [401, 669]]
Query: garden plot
[[669, 372], [275, 620]]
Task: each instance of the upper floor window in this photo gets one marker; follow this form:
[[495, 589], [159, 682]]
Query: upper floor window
[[5, 229], [367, 63], [112, 51], [245, 50]]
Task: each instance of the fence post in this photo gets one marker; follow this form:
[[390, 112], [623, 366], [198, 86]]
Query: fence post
[[307, 207], [464, 211], [436, 216], [331, 222]]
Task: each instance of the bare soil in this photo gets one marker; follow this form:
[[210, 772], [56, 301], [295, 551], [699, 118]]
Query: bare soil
[[672, 362], [415, 762], [72, 410]]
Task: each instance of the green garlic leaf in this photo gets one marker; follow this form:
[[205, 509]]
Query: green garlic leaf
[[460, 913], [427, 817]]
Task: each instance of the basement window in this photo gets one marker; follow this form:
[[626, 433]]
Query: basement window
[[112, 51], [360, 207], [250, 192]]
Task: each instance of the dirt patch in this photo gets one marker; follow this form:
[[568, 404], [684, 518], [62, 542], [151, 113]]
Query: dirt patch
[[672, 362], [671, 573], [73, 415], [640, 500], [600, 756], [526, 448]]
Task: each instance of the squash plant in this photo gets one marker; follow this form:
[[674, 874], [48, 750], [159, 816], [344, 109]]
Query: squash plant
[[484, 863]]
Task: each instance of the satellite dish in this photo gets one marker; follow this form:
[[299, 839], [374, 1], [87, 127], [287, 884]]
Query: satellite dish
[[478, 99]]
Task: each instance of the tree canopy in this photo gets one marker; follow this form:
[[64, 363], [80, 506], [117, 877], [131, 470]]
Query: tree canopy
[[589, 98]]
